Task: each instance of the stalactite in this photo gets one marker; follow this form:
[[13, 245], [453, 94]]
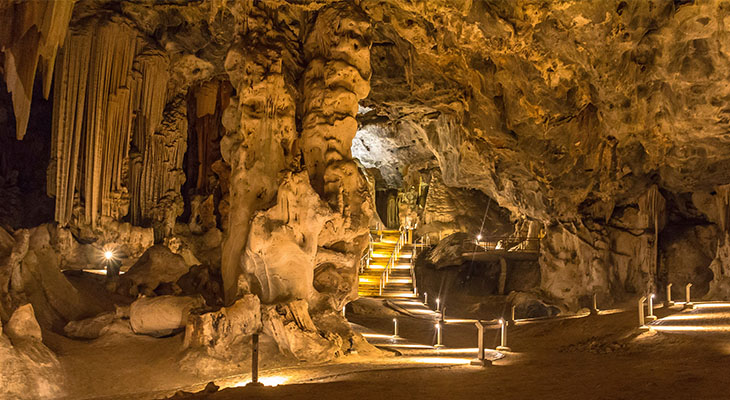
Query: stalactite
[[91, 121], [722, 202], [205, 108], [150, 86], [30, 33], [652, 207], [108, 102]]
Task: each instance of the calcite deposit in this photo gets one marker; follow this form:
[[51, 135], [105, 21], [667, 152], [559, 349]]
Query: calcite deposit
[[232, 153]]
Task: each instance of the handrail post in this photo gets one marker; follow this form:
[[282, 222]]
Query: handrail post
[[688, 303], [503, 338], [651, 317], [669, 301], [641, 313], [480, 361]]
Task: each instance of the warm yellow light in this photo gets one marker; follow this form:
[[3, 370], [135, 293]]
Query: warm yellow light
[[690, 328], [711, 305], [108, 255], [442, 360], [266, 381]]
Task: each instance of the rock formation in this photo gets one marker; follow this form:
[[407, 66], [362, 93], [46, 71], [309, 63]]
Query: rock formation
[[241, 150]]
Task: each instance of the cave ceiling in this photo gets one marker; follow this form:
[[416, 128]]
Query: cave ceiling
[[552, 108]]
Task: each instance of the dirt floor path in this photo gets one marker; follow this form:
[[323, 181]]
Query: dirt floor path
[[592, 357]]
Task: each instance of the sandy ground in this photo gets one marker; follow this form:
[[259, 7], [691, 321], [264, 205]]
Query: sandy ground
[[592, 357]]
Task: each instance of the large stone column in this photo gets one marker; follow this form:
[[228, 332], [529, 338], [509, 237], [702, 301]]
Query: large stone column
[[260, 149], [336, 77]]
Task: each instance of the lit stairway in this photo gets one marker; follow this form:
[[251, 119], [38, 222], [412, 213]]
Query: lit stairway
[[387, 270]]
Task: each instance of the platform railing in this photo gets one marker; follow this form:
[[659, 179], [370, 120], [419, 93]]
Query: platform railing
[[503, 243]]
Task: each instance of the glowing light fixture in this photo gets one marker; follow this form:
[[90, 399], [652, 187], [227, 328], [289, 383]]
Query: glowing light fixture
[[438, 336], [108, 254], [266, 381], [503, 341], [651, 316]]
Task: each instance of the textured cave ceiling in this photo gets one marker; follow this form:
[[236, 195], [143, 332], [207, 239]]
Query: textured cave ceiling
[[552, 108]]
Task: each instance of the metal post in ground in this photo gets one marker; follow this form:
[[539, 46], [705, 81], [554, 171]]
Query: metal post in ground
[[651, 317], [688, 303], [641, 313], [480, 361], [425, 298], [512, 316], [503, 339], [395, 328], [254, 361], [669, 301]]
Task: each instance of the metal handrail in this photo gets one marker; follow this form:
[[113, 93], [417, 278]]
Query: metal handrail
[[413, 271], [505, 243]]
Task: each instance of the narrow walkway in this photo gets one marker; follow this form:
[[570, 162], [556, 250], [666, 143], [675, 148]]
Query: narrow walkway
[[704, 318]]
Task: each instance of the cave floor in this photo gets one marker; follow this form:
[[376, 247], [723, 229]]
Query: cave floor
[[592, 357]]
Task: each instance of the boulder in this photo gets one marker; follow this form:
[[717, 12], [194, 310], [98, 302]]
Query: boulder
[[222, 332], [89, 328], [163, 315], [23, 325], [292, 328], [528, 305], [157, 265], [29, 370], [205, 281], [449, 250], [6, 244], [55, 300]]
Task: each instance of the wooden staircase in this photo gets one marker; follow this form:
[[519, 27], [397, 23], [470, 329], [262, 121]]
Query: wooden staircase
[[387, 269]]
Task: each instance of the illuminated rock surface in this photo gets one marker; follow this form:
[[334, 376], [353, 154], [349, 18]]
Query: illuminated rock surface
[[234, 155]]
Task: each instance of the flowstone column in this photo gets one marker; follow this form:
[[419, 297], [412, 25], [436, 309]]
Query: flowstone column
[[259, 149], [336, 77]]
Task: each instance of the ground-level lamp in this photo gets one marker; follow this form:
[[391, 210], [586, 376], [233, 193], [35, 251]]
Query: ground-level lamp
[[651, 317], [425, 298], [438, 304], [439, 343], [503, 340], [395, 328]]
